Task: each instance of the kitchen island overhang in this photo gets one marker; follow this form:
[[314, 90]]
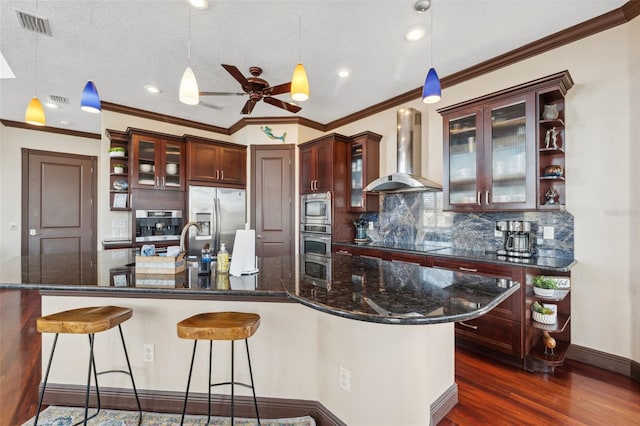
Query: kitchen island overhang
[[399, 375]]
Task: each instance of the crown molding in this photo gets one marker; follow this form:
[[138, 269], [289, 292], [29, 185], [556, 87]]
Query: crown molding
[[48, 129]]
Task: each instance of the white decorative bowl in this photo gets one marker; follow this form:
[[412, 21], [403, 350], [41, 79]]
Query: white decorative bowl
[[116, 154], [172, 168], [546, 319], [145, 168], [544, 292], [118, 170]]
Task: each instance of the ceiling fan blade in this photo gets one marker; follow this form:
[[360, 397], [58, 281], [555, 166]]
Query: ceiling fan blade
[[222, 93], [235, 73], [248, 106], [282, 104], [280, 89]]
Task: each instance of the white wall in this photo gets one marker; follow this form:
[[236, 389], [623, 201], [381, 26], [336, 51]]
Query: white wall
[[601, 167]]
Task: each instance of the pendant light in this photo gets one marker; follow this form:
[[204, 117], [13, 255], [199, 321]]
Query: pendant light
[[431, 91], [35, 112], [189, 93], [299, 81], [90, 100]]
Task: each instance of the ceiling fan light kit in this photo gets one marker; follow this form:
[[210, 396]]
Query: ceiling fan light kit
[[35, 113], [90, 101], [189, 93], [299, 84]]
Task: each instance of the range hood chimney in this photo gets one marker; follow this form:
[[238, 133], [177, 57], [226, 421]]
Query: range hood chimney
[[409, 145]]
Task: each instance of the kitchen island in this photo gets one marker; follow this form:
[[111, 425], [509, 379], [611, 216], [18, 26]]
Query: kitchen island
[[376, 348]]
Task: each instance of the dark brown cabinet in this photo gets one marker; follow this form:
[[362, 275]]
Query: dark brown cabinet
[[216, 162], [500, 332], [364, 160], [157, 161], [323, 165], [119, 192], [495, 155]]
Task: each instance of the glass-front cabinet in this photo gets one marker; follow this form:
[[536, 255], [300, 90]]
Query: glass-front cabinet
[[490, 156], [157, 163], [364, 167]]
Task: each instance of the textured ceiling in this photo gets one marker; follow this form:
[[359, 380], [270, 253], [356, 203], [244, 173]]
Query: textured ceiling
[[124, 45]]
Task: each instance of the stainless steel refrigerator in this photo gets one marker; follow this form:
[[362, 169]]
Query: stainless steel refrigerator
[[219, 212]]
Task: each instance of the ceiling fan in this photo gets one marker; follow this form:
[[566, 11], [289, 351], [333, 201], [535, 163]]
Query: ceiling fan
[[257, 88]]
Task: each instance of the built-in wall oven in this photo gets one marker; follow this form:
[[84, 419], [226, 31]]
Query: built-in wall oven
[[315, 208], [312, 244]]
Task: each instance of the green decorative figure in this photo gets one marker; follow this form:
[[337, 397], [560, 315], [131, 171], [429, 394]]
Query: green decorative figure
[[267, 131]]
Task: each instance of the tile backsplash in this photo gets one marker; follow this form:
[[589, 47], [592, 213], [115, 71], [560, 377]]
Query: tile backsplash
[[417, 217]]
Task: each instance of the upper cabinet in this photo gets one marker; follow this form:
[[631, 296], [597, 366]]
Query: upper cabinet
[[157, 161], [495, 153], [216, 162], [322, 164], [364, 160]]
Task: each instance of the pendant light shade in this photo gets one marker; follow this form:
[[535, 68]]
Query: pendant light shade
[[35, 113], [189, 93], [299, 84], [90, 101], [431, 90]]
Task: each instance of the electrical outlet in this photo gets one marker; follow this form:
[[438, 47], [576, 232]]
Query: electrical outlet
[[371, 225], [345, 379], [148, 352], [548, 233]]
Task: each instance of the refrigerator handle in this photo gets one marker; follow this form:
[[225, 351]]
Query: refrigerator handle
[[216, 209]]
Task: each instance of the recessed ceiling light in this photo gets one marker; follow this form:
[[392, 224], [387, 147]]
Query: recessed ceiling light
[[152, 89], [200, 4], [344, 72], [422, 6], [65, 122], [415, 33]]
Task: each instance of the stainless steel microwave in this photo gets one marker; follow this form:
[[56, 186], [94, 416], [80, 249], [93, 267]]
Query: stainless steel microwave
[[316, 208]]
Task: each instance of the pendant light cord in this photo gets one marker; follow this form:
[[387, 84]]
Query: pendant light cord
[[36, 40], [189, 41]]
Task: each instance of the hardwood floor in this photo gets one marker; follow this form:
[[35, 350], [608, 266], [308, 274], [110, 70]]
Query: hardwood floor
[[489, 392]]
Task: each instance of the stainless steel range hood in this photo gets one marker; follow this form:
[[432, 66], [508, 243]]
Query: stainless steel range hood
[[409, 145]]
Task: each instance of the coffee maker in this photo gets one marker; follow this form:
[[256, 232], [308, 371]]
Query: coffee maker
[[518, 239]]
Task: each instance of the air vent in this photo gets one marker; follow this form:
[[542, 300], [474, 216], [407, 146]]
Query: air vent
[[61, 100], [33, 23]]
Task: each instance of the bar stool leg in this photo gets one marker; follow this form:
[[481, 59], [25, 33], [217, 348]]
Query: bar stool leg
[[133, 383], [186, 394], [233, 382], [46, 376], [92, 366], [253, 389], [210, 374]]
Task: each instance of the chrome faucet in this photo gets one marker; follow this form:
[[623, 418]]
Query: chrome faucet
[[183, 234]]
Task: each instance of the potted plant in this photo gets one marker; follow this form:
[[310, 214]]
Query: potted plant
[[118, 168], [544, 286], [116, 151]]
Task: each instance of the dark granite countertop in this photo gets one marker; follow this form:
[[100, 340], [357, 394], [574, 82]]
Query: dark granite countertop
[[357, 288], [560, 264]]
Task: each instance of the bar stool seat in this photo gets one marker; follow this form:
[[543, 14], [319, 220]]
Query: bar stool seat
[[230, 326], [89, 320]]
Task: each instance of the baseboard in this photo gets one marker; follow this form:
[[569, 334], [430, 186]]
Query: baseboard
[[604, 360], [171, 402], [445, 402]]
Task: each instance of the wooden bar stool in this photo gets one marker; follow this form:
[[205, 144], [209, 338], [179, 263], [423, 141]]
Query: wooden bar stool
[[220, 326], [86, 321]]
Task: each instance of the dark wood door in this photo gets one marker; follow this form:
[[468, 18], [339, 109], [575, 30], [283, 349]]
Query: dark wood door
[[272, 202], [233, 165], [59, 213]]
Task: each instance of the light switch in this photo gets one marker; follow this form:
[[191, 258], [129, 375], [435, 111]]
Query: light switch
[[548, 233]]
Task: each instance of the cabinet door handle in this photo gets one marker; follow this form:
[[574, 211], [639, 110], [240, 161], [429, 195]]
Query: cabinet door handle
[[217, 174], [157, 182], [478, 199], [474, 327], [486, 197], [462, 268], [162, 180], [222, 174], [345, 252]]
